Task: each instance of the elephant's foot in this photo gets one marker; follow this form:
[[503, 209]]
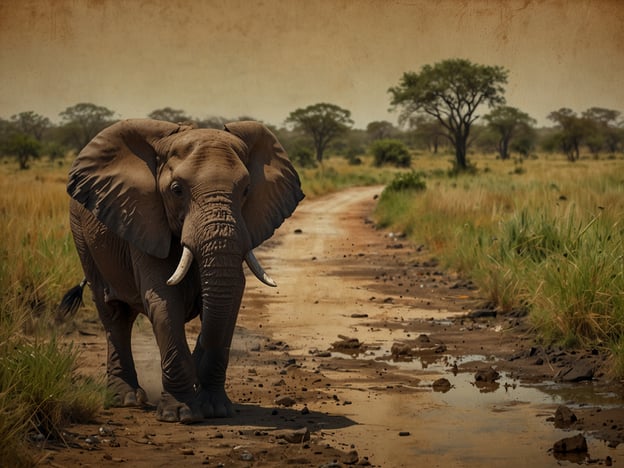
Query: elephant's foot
[[215, 403], [172, 410], [126, 395]]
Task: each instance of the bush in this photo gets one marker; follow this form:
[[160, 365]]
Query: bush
[[391, 152], [407, 181], [303, 157]]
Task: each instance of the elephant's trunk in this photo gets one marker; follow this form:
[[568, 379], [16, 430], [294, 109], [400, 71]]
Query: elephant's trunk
[[216, 234], [222, 291]]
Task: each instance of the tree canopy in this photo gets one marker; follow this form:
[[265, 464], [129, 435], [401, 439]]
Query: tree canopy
[[83, 121], [322, 122], [573, 130], [451, 91], [508, 123], [169, 114]]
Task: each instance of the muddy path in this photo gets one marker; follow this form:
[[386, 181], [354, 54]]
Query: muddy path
[[367, 353]]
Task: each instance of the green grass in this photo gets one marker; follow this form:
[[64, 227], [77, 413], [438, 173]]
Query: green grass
[[548, 238]]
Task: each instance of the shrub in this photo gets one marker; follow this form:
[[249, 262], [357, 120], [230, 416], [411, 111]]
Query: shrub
[[407, 181], [303, 157], [391, 152]]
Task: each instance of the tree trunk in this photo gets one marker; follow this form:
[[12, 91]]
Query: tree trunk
[[461, 162]]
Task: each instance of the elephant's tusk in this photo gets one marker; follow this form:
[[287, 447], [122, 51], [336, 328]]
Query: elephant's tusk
[[183, 267], [254, 266]]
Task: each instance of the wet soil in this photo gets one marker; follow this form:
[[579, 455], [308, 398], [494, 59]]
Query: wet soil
[[368, 353]]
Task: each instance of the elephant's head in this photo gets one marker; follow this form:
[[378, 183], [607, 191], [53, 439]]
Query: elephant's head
[[220, 193]]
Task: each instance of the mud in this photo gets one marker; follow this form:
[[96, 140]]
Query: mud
[[367, 353]]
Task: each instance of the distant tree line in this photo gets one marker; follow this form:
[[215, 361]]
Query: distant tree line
[[440, 110]]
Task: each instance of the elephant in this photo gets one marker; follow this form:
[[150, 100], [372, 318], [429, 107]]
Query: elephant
[[163, 217]]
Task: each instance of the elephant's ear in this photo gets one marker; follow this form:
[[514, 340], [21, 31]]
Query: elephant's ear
[[275, 189], [114, 177]]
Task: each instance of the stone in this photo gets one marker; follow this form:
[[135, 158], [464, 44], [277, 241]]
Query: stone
[[564, 417], [579, 372], [285, 401], [574, 444], [487, 375], [296, 436], [351, 458], [441, 385]]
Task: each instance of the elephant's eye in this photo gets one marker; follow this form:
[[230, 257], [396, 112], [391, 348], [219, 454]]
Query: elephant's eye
[[176, 188], [246, 192]]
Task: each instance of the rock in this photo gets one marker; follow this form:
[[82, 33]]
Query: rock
[[422, 338], [579, 372], [347, 343], [294, 436], [564, 417], [482, 313], [441, 385], [246, 456], [187, 451], [285, 401], [359, 315], [351, 458], [575, 444], [298, 231], [401, 349], [487, 375], [404, 433]]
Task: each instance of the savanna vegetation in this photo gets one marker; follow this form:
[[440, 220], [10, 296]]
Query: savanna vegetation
[[531, 215]]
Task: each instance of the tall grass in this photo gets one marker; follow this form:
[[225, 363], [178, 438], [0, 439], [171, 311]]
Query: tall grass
[[37, 256], [40, 390], [549, 238]]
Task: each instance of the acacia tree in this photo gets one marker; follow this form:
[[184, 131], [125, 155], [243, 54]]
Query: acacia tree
[[30, 123], [428, 131], [23, 147], [323, 122], [451, 91], [169, 114], [83, 121], [380, 129], [604, 130], [508, 122], [572, 131]]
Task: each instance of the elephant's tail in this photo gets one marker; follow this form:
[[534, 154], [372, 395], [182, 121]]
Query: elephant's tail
[[70, 303]]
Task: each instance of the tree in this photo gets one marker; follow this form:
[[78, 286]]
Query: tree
[[83, 121], [572, 131], [451, 91], [23, 147], [31, 123], [380, 130], [603, 129], [323, 122], [427, 130], [169, 115], [508, 123]]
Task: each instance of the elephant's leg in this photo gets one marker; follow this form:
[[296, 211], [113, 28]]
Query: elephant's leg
[[118, 318], [179, 377]]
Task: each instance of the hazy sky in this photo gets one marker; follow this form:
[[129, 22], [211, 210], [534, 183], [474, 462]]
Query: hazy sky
[[267, 58]]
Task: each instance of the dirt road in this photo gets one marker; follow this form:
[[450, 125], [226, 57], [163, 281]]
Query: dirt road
[[363, 355]]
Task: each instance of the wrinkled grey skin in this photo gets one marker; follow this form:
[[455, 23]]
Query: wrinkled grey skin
[[142, 189]]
